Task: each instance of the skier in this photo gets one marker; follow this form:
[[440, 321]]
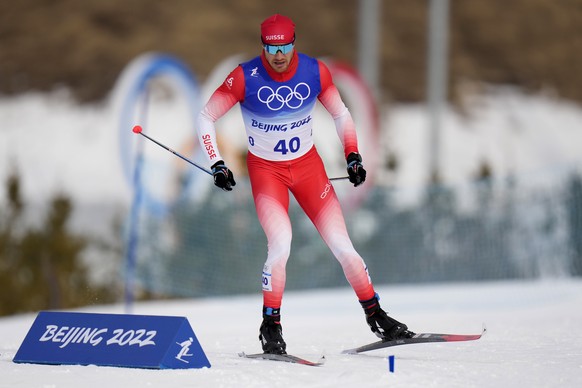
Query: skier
[[277, 92]]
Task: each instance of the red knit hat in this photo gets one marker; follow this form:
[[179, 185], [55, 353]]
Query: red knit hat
[[277, 30]]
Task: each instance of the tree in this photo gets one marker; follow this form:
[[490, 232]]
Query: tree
[[42, 268]]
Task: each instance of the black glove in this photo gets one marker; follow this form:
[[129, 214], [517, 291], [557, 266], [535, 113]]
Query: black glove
[[356, 171], [223, 177]]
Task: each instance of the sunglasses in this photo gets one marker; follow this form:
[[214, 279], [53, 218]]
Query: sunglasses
[[286, 48]]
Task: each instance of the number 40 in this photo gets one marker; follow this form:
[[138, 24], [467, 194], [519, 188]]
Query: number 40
[[283, 147]]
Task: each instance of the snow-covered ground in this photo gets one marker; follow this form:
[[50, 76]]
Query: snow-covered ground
[[532, 340], [57, 145]]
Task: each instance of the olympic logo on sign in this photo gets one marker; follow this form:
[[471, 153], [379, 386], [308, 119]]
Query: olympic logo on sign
[[284, 96]]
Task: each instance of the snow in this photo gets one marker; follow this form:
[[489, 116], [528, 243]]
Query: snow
[[531, 340], [57, 145], [515, 134]]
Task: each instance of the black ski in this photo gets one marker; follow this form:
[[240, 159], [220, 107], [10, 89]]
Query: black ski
[[416, 339], [284, 358]]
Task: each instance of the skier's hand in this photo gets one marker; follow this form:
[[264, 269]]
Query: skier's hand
[[223, 177], [356, 171]]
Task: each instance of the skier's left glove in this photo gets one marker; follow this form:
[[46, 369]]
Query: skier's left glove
[[223, 177], [356, 171]]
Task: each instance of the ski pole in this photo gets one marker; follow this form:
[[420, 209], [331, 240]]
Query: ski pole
[[138, 129]]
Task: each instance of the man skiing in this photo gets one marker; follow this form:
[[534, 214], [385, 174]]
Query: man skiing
[[277, 92]]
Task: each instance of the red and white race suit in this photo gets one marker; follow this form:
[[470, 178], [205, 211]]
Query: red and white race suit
[[277, 109]]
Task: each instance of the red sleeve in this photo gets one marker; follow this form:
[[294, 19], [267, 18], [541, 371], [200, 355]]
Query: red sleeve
[[231, 91], [330, 98], [324, 76], [234, 84], [224, 97]]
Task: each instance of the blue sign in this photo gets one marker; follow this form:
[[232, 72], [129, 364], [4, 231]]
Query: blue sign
[[138, 341]]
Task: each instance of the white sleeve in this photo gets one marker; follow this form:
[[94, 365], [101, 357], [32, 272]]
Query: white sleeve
[[207, 136], [224, 98]]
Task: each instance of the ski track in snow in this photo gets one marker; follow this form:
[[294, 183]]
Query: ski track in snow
[[529, 340]]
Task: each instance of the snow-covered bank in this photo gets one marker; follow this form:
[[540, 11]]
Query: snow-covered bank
[[531, 340]]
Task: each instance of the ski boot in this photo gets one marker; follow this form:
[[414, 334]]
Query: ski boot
[[271, 333], [385, 327]]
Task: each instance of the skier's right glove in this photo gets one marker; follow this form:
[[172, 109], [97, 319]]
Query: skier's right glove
[[223, 177], [356, 171]]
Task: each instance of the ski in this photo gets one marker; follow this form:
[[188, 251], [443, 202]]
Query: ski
[[284, 358], [418, 338]]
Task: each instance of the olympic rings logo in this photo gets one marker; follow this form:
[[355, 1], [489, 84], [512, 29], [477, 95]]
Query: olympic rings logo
[[284, 96]]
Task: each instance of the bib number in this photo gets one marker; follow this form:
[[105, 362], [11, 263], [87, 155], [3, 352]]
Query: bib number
[[292, 146]]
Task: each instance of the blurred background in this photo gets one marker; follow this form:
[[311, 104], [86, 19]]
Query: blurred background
[[468, 114]]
